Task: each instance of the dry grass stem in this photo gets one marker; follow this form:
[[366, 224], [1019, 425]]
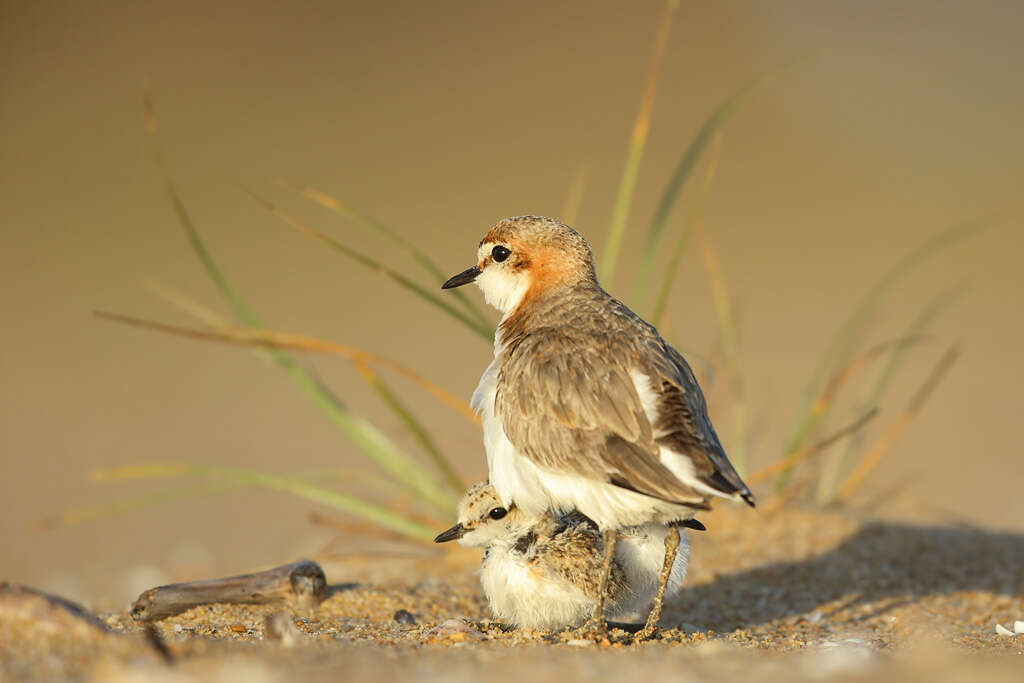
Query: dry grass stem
[[296, 342], [876, 453], [812, 450]]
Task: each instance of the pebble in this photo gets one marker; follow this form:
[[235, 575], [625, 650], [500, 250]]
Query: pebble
[[404, 616]]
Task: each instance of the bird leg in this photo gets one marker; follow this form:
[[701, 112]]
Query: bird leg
[[671, 550], [596, 627]]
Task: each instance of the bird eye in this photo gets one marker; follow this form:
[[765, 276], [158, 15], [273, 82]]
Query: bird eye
[[500, 253], [497, 513]]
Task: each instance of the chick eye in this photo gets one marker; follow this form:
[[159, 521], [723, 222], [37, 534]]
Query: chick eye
[[497, 513], [500, 253]]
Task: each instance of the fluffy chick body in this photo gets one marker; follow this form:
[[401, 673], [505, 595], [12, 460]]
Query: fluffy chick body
[[543, 572]]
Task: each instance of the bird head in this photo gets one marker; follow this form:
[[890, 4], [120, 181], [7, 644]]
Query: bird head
[[522, 257], [482, 518]]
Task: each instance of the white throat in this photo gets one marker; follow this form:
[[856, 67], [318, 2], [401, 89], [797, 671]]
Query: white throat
[[502, 289]]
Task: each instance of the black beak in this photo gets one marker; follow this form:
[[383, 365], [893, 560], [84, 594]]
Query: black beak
[[457, 531], [463, 278]]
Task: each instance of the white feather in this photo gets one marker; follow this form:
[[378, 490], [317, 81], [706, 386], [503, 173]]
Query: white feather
[[519, 595], [679, 464], [536, 489], [641, 552], [503, 288]]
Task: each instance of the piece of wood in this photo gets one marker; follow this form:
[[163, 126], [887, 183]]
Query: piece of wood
[[302, 584]]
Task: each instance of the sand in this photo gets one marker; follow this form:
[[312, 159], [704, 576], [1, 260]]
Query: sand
[[795, 595]]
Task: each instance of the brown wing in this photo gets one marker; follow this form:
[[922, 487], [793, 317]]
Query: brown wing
[[683, 425], [567, 402]]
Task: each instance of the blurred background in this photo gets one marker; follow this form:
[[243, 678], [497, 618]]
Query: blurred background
[[439, 119]]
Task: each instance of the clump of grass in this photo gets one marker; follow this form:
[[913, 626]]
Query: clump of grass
[[431, 481]]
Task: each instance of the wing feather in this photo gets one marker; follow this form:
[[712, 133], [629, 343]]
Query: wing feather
[[580, 412], [683, 423]]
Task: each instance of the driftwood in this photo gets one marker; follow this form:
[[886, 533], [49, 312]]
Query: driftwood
[[301, 584]]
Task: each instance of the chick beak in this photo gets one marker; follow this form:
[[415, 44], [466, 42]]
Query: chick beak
[[463, 278], [457, 531]]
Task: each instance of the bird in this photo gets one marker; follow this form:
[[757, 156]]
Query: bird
[[585, 406], [542, 572]]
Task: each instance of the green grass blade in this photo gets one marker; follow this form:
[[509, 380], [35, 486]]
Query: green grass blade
[[241, 476], [363, 434], [851, 332], [363, 361], [638, 141], [415, 427], [574, 197], [372, 441], [731, 346], [665, 290], [425, 262], [484, 330], [828, 485], [685, 166]]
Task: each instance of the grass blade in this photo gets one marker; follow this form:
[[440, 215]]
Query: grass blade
[[241, 476], [241, 309], [874, 456], [361, 360], [186, 304], [332, 204], [363, 434], [90, 513], [731, 346], [574, 197], [807, 452], [661, 302], [415, 427], [849, 334], [681, 174], [637, 143], [826, 398], [917, 328], [484, 330], [272, 339]]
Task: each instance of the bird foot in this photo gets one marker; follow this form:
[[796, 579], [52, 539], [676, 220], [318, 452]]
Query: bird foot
[[648, 632], [594, 629]]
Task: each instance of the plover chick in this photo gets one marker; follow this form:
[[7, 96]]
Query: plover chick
[[543, 572], [585, 406]]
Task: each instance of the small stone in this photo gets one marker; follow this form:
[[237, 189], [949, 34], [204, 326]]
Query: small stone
[[1003, 631], [238, 628], [405, 617]]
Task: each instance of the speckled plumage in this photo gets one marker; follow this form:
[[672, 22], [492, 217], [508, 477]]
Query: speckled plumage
[[543, 572]]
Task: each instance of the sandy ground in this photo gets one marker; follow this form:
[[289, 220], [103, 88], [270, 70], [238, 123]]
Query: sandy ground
[[798, 595]]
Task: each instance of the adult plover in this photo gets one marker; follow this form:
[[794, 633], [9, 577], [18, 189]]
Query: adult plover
[[585, 407]]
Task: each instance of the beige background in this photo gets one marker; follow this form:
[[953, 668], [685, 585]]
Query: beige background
[[440, 119]]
